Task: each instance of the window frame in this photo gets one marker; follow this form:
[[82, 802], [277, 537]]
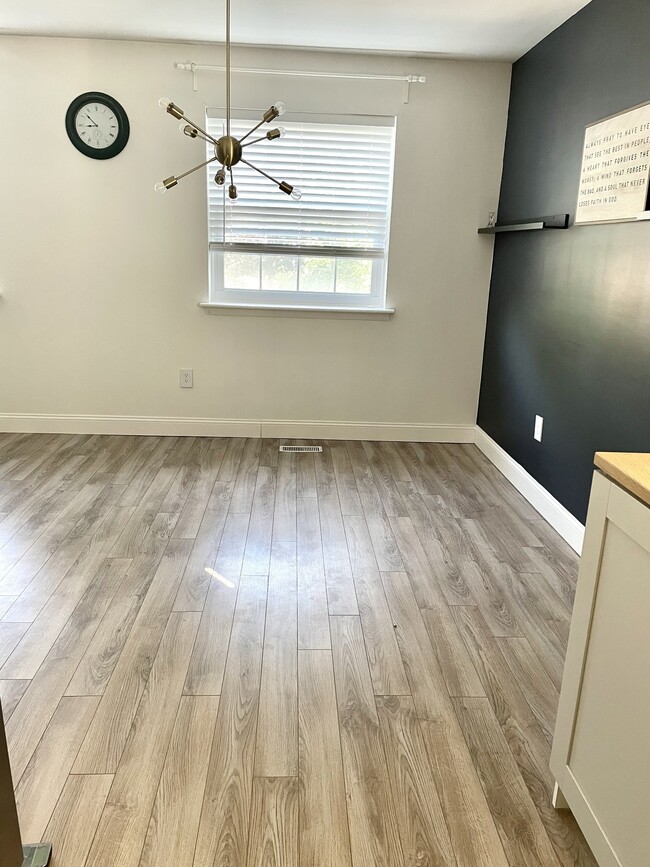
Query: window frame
[[374, 300]]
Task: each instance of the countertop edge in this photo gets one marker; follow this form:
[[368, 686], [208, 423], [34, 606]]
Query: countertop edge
[[630, 470]]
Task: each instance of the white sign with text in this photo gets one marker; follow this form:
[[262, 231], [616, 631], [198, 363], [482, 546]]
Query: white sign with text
[[615, 168]]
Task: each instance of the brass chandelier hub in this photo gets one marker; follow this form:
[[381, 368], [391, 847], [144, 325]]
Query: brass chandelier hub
[[228, 151]]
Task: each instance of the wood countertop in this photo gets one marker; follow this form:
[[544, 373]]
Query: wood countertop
[[630, 470]]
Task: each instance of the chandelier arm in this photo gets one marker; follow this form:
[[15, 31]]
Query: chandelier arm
[[203, 136], [250, 165], [255, 140], [251, 131], [196, 168], [199, 129], [207, 135]]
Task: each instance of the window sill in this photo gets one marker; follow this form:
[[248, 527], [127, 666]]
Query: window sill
[[297, 311]]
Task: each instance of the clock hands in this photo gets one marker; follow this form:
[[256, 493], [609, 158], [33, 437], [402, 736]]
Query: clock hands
[[91, 120]]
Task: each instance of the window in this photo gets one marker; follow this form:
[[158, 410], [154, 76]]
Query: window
[[327, 250]]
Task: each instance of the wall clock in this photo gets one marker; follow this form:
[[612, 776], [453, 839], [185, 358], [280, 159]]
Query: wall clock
[[97, 125]]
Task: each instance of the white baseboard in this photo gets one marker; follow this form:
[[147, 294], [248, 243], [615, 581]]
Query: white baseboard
[[139, 426], [215, 427], [334, 430], [549, 508]]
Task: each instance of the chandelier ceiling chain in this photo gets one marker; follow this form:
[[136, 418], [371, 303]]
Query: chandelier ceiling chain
[[227, 149]]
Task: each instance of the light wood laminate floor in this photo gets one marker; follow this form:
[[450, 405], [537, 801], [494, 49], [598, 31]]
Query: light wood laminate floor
[[216, 655]]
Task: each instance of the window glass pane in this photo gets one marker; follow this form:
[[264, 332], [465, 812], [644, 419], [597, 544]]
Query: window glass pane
[[354, 276], [317, 275], [241, 271], [280, 273]]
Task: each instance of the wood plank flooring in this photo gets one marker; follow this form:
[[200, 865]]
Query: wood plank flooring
[[216, 655]]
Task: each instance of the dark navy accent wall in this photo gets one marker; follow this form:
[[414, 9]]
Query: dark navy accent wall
[[568, 330]]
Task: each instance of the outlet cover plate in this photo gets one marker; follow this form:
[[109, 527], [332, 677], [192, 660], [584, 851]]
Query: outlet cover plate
[[539, 428]]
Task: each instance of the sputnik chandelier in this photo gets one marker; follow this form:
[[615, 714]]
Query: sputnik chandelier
[[228, 150]]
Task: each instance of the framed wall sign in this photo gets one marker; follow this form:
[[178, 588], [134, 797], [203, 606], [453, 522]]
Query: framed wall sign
[[615, 168]]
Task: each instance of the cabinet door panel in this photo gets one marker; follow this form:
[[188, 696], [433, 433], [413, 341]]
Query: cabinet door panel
[[610, 751]]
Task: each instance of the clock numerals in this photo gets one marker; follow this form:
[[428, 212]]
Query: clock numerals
[[95, 125]]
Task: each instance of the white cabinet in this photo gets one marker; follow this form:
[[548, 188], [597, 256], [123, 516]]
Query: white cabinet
[[601, 749]]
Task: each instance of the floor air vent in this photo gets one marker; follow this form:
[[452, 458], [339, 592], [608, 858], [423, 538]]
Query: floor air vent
[[301, 449]]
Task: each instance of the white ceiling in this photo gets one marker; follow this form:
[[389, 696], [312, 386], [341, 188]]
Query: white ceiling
[[499, 29]]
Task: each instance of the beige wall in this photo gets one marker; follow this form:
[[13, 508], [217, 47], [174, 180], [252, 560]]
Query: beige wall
[[101, 277]]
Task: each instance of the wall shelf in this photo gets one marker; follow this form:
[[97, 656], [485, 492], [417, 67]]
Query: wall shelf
[[556, 221]]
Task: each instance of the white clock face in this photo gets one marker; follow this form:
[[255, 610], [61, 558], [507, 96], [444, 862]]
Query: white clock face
[[97, 125]]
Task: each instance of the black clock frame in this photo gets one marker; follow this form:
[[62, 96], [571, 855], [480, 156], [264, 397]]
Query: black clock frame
[[124, 129]]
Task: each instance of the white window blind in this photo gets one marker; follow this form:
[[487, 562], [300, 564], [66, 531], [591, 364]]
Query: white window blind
[[343, 167]]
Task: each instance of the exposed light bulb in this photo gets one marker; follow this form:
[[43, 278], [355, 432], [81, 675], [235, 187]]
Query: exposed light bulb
[[167, 184], [232, 192], [275, 133], [170, 108], [188, 129], [220, 178], [275, 111], [294, 192]]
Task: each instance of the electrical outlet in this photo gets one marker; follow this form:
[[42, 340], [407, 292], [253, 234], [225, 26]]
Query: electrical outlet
[[539, 427], [187, 377]]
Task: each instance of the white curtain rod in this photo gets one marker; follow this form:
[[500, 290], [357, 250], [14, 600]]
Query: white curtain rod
[[408, 80]]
